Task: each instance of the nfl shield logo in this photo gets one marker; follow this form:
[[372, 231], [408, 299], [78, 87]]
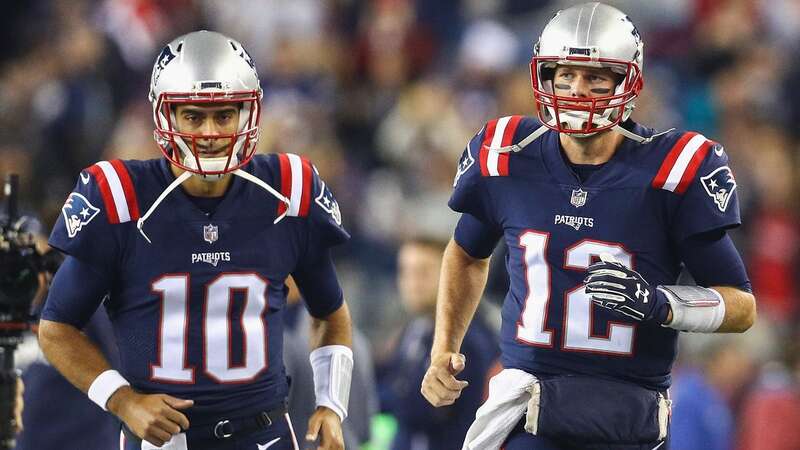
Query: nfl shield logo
[[578, 198], [210, 233]]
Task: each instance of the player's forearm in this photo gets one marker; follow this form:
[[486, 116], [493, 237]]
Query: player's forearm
[[740, 309], [78, 359], [461, 284], [332, 366], [335, 329]]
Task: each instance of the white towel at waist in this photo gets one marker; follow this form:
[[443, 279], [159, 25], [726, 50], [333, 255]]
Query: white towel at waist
[[494, 420]]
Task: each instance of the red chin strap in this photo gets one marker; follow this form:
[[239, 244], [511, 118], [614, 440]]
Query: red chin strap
[[169, 140], [594, 106]]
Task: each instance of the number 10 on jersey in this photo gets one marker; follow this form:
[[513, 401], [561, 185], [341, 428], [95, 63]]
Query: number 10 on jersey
[[172, 365]]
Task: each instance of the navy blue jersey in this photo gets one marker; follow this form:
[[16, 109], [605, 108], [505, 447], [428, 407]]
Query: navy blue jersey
[[643, 201], [197, 312]]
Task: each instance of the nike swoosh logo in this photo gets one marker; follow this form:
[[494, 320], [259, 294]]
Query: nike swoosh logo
[[268, 444], [85, 178]]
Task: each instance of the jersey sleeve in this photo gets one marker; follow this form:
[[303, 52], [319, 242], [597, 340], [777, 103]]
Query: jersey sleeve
[[309, 198], [313, 200], [316, 279], [78, 288], [475, 237], [703, 189], [470, 195], [728, 268], [85, 229], [325, 218], [710, 200]]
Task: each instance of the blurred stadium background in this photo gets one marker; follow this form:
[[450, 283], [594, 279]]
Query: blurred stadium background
[[382, 95]]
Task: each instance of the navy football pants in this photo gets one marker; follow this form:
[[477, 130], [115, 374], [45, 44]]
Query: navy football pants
[[278, 436], [522, 440]]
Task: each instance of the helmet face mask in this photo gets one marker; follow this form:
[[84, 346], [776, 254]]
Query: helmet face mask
[[183, 149], [579, 115], [591, 35], [212, 70]]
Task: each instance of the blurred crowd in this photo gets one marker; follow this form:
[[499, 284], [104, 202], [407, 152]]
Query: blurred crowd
[[382, 96]]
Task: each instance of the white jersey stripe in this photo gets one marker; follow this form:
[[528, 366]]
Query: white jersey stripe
[[296, 164], [675, 175], [497, 141], [114, 183]]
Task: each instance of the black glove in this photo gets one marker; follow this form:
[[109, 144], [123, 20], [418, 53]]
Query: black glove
[[614, 286]]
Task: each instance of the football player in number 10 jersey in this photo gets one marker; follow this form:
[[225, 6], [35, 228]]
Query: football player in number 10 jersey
[[195, 283], [599, 214]]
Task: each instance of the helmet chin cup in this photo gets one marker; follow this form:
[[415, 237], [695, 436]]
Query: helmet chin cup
[[212, 168], [576, 123]]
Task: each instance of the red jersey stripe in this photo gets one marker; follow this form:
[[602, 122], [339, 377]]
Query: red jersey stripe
[[286, 181], [305, 198], [488, 135]]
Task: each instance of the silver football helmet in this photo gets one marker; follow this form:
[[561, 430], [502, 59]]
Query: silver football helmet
[[593, 35], [205, 67]]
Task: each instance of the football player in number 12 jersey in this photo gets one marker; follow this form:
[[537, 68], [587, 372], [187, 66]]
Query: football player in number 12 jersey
[[189, 255], [600, 214]]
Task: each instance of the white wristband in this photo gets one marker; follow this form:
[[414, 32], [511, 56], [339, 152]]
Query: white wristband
[[104, 386], [694, 308], [333, 370]]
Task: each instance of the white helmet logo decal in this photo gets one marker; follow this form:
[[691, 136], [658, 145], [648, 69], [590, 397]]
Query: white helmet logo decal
[[164, 58]]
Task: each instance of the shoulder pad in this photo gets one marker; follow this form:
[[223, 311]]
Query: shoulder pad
[[682, 161], [116, 189], [297, 176]]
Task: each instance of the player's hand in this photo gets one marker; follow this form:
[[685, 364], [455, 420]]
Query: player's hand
[[154, 418], [325, 425], [616, 287], [440, 386]]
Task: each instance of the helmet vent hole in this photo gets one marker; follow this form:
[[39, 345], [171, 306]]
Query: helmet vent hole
[[179, 47]]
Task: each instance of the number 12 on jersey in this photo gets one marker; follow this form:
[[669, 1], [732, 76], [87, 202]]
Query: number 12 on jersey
[[578, 320]]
